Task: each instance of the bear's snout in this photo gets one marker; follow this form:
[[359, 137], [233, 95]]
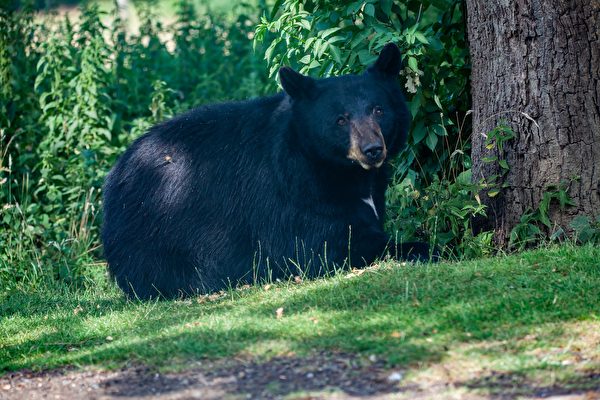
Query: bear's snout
[[367, 146], [374, 152]]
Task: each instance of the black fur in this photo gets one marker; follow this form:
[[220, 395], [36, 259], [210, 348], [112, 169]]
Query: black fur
[[232, 192]]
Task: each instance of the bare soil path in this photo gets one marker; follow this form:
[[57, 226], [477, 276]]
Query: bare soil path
[[320, 376]]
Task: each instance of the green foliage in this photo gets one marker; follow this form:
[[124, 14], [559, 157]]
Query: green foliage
[[529, 229], [74, 94], [586, 230], [494, 142], [442, 211], [324, 38]]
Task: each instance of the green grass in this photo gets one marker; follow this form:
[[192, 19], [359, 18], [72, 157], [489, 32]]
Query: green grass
[[411, 315]]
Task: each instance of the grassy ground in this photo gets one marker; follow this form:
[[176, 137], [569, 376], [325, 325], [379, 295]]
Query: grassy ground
[[535, 316]]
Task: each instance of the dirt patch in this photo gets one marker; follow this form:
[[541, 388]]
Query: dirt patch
[[504, 385], [324, 375]]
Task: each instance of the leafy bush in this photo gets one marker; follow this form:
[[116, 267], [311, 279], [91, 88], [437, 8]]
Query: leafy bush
[[441, 211], [74, 94], [586, 230], [326, 38]]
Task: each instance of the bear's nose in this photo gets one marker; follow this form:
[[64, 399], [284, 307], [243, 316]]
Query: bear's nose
[[373, 151]]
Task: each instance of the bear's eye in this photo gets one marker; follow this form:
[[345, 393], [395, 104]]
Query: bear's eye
[[377, 110], [341, 121]]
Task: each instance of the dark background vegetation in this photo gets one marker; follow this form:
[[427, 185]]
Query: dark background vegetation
[[77, 85]]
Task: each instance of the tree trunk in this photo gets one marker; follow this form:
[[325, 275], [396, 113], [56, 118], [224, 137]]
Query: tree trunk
[[536, 66]]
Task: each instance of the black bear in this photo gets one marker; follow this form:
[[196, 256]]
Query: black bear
[[283, 185]]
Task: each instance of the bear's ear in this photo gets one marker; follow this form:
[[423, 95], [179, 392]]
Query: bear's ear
[[389, 61], [295, 84]]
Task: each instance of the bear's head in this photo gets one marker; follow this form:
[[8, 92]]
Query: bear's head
[[353, 119]]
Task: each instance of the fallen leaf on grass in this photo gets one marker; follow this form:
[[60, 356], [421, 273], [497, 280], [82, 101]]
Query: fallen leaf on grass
[[279, 313], [193, 324], [216, 296], [356, 272], [210, 297]]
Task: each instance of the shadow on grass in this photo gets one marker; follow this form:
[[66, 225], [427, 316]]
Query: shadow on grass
[[513, 385]]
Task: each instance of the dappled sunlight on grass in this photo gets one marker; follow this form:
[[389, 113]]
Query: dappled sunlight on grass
[[406, 315]]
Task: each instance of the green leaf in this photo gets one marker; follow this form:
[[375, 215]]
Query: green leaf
[[106, 133], [370, 10], [582, 227], [412, 63], [360, 38], [580, 223], [465, 177], [336, 39], [336, 54], [270, 49], [365, 57], [314, 64], [544, 219], [437, 100], [493, 192], [327, 32], [305, 24], [564, 199], [275, 8], [419, 132], [386, 6], [415, 104], [431, 140], [421, 38], [320, 47], [489, 160], [305, 59], [439, 130]]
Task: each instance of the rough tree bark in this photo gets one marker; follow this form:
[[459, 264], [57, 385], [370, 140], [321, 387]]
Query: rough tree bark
[[537, 59]]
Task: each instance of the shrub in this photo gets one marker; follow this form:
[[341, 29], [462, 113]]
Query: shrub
[[325, 38], [74, 94]]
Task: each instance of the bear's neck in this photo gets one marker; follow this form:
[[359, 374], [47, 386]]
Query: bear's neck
[[312, 181]]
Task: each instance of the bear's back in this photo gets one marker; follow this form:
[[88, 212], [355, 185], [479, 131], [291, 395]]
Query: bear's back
[[187, 183], [196, 154]]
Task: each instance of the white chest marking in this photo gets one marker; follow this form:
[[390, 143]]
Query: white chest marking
[[369, 202]]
